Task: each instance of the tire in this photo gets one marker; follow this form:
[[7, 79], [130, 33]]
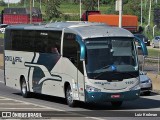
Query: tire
[[147, 93], [116, 104], [69, 97], [24, 90]]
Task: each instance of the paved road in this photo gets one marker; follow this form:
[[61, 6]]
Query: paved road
[[1, 45], [11, 100]]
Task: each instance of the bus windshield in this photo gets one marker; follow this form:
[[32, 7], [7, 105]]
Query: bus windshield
[[111, 55]]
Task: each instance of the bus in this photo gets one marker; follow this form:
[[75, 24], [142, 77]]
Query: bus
[[78, 61]]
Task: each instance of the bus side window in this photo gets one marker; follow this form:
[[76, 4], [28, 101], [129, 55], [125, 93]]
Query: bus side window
[[71, 50], [54, 42], [41, 41], [16, 40]]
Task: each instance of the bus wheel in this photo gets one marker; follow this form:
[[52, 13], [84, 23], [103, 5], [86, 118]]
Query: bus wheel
[[116, 103], [69, 97], [24, 90]]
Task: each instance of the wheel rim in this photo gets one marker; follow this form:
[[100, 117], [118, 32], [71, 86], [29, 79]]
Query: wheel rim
[[69, 96], [24, 88]]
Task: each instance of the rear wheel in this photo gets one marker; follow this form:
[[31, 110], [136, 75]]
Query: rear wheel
[[69, 97], [24, 90], [116, 103]]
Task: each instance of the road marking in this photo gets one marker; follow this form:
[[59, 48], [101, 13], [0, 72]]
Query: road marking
[[95, 118], [46, 107], [13, 104], [21, 108], [1, 81], [42, 107]]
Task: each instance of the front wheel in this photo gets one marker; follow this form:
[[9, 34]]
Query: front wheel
[[147, 93], [24, 90], [153, 46], [116, 103], [69, 97]]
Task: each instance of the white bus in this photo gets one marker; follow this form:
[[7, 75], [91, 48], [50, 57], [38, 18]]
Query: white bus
[[79, 61]]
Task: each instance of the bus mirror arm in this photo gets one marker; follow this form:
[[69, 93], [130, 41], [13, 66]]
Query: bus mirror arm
[[82, 48], [142, 45]]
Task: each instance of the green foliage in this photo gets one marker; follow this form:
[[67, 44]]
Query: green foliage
[[2, 3], [1, 35], [153, 52], [132, 7], [52, 9], [90, 4]]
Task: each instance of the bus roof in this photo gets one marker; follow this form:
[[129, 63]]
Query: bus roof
[[84, 29]]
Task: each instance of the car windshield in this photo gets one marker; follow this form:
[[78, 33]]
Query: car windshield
[[107, 55]]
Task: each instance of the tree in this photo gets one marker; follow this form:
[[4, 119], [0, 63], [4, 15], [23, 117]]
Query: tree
[[90, 4], [132, 7], [52, 9]]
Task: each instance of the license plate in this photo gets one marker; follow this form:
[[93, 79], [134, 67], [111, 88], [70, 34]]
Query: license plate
[[115, 96]]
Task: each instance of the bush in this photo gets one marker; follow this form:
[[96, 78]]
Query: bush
[[2, 3]]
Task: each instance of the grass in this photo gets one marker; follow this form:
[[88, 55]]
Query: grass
[[1, 35], [153, 52], [1, 60]]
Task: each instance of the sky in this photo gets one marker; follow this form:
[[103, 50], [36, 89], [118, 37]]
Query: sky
[[11, 1]]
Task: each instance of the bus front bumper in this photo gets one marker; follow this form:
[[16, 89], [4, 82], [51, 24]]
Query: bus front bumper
[[99, 97]]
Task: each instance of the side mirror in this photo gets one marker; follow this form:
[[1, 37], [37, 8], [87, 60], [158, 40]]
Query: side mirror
[[142, 45], [82, 47]]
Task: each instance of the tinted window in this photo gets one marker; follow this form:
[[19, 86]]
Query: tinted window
[[8, 40], [41, 41], [47, 41], [16, 37], [71, 50], [33, 41], [28, 40], [54, 41]]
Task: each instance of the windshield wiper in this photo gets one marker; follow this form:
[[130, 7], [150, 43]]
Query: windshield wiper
[[118, 72], [105, 67]]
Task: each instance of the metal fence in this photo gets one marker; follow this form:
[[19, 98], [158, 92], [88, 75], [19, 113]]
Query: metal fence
[[151, 64]]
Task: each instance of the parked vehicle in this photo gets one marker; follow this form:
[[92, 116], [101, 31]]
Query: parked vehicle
[[130, 22], [144, 38], [87, 13], [156, 42], [2, 28], [20, 16], [145, 83]]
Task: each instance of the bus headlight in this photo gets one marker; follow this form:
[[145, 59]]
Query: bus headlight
[[92, 89], [137, 86]]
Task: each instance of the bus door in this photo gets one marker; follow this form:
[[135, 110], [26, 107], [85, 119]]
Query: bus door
[[71, 50]]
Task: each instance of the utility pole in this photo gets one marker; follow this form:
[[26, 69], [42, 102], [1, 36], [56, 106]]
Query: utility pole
[[141, 13], [98, 4], [40, 4], [33, 3], [120, 13], [24, 3], [80, 9], [156, 1], [149, 18], [30, 11], [146, 4], [8, 3]]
